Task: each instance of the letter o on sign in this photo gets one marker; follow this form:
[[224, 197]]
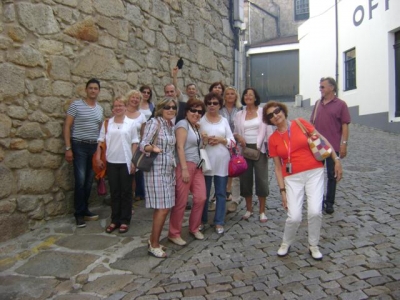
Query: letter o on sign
[[358, 15]]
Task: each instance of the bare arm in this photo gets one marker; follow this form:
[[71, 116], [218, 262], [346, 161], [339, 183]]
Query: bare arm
[[69, 120], [181, 136], [279, 179], [345, 137], [175, 71]]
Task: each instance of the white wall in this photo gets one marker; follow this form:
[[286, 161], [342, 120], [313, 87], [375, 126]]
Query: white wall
[[373, 40]]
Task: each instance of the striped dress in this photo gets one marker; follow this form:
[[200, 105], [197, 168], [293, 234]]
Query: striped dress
[[160, 180]]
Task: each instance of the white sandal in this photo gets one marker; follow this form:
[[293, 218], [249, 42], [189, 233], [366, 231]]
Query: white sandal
[[162, 246], [157, 252], [247, 215], [263, 218]]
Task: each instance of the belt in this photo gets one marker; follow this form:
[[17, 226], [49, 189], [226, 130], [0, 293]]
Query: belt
[[84, 141]]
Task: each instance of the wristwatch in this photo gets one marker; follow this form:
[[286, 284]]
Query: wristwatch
[[67, 148]]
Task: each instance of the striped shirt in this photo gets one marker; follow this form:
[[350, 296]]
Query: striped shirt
[[87, 120]]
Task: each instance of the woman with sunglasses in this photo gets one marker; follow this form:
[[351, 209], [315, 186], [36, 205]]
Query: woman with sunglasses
[[297, 171], [146, 106], [134, 98], [229, 110], [217, 136], [189, 175], [160, 180], [251, 132]]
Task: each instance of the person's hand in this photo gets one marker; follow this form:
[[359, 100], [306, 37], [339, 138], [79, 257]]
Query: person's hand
[[343, 151], [338, 170], [204, 137], [156, 149], [69, 156], [175, 71], [185, 175], [133, 168], [284, 201], [100, 164], [213, 140], [241, 141]]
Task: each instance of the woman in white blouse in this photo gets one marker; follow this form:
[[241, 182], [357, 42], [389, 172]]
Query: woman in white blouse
[[122, 141], [251, 132], [217, 136]]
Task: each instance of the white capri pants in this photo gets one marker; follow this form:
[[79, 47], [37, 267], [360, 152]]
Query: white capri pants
[[312, 182]]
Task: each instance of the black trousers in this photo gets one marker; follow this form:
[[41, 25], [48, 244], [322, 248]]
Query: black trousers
[[120, 182]]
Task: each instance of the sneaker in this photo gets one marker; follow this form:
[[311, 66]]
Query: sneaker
[[211, 207], [80, 222], [283, 250], [198, 235], [329, 208], [91, 217], [315, 253], [247, 215], [263, 218], [178, 240], [232, 207]]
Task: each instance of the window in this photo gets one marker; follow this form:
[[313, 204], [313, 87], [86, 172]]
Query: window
[[301, 10], [396, 47], [350, 69]]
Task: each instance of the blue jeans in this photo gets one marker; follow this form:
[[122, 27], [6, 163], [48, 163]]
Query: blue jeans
[[331, 182], [83, 173], [220, 195], [139, 192]]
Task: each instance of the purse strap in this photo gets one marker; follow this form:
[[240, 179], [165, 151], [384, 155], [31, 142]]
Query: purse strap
[[233, 148], [315, 111], [302, 127], [157, 132]]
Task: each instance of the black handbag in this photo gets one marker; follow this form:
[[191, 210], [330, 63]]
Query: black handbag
[[144, 160]]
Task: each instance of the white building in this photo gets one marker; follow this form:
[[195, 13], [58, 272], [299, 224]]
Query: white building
[[363, 55]]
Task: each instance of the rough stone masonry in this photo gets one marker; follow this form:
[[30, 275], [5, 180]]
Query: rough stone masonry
[[50, 48]]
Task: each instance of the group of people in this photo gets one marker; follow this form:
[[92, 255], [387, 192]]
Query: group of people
[[179, 128]]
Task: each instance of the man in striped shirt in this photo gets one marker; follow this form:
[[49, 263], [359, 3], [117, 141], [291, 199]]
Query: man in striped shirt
[[81, 130]]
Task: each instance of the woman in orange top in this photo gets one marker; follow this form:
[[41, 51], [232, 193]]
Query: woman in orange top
[[297, 171]]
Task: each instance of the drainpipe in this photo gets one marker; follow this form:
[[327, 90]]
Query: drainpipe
[[337, 45]]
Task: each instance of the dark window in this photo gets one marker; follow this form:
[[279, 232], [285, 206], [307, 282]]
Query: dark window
[[301, 10], [397, 70], [350, 69]]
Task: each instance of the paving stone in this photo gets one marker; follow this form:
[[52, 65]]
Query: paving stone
[[81, 242], [376, 290], [368, 274], [357, 295], [219, 295], [63, 265], [177, 287], [108, 284], [194, 292], [19, 287]]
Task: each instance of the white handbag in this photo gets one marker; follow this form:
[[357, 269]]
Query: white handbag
[[205, 162]]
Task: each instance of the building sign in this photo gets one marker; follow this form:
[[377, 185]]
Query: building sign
[[359, 12]]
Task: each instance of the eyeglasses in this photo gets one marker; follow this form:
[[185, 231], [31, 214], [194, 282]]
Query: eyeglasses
[[275, 112], [199, 111], [213, 103], [168, 107]]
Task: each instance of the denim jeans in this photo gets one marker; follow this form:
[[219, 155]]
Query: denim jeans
[[83, 173], [121, 193], [139, 192], [331, 182], [220, 195]]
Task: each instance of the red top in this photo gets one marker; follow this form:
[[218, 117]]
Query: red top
[[301, 156]]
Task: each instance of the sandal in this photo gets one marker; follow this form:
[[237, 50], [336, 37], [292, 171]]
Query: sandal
[[111, 227], [123, 228], [228, 196], [162, 246], [157, 252], [247, 215]]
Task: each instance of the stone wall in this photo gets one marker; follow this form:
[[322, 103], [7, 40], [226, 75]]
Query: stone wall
[[262, 27], [50, 48]]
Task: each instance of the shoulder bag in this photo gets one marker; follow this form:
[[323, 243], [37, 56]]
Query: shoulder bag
[[237, 164], [318, 147], [144, 160]]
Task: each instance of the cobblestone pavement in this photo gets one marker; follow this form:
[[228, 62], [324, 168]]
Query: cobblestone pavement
[[360, 243]]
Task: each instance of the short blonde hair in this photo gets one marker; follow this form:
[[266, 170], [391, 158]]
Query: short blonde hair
[[160, 106], [237, 102], [133, 92], [119, 99]]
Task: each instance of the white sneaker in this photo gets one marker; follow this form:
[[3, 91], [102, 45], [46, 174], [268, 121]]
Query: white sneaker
[[178, 240], [283, 250], [315, 253]]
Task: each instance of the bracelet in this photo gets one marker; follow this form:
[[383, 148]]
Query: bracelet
[[282, 190]]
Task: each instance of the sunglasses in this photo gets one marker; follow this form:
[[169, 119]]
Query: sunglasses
[[213, 103], [199, 111], [275, 112], [168, 107], [146, 92]]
